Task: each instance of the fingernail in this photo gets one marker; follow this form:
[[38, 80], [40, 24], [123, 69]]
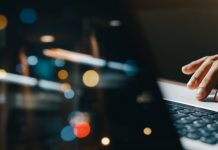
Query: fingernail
[[200, 93], [191, 82], [186, 67]]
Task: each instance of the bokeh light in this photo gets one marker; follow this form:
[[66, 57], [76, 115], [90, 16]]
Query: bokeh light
[[2, 73], [105, 141], [82, 130], [67, 133], [3, 22], [28, 15], [32, 60], [65, 86], [59, 62], [91, 78], [69, 94], [130, 68], [47, 38], [115, 23], [63, 74], [19, 68], [147, 131], [75, 117]]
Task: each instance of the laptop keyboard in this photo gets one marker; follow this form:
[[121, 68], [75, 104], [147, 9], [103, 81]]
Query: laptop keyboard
[[195, 123]]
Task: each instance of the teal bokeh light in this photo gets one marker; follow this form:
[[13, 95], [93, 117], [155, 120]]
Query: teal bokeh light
[[67, 134], [28, 15]]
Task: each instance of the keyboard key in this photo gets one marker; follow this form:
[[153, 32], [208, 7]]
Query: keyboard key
[[214, 116], [212, 127], [191, 128], [205, 132], [198, 114], [207, 120], [186, 111], [182, 132], [209, 140], [194, 136], [183, 121], [196, 123], [178, 116], [199, 123]]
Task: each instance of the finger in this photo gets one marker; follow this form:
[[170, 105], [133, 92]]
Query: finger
[[193, 66], [199, 74], [208, 82]]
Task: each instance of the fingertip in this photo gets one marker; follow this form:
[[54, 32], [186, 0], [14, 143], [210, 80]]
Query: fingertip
[[201, 94], [186, 70], [191, 86]]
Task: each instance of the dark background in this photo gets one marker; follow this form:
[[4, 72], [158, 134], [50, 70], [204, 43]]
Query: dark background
[[178, 31]]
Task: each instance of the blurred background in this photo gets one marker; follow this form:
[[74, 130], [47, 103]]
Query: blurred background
[[35, 84]]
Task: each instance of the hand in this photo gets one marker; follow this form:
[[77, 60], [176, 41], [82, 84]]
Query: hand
[[205, 75]]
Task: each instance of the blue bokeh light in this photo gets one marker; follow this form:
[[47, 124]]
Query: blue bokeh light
[[67, 134], [28, 15], [69, 94], [32, 60]]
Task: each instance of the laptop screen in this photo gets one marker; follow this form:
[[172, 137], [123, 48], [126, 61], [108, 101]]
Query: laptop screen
[[80, 78]]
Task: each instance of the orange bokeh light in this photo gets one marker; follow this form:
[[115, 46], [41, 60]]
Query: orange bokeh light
[[3, 22], [82, 130], [63, 74]]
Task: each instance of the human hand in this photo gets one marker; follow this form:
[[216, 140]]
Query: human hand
[[204, 75]]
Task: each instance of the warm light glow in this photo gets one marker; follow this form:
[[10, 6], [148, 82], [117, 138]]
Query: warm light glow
[[74, 57], [65, 86], [47, 38], [3, 22], [105, 141], [82, 130], [63, 74], [147, 131], [90, 78], [2, 73]]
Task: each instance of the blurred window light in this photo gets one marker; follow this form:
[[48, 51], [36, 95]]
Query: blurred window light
[[115, 65], [67, 134], [28, 15], [3, 22], [32, 60], [69, 94], [82, 129], [147, 131], [63, 74], [50, 85], [105, 141], [115, 23], [59, 62], [19, 79], [3, 73], [47, 38], [74, 57], [91, 78], [130, 68]]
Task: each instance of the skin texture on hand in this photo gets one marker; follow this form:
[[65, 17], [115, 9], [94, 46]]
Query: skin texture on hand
[[204, 73]]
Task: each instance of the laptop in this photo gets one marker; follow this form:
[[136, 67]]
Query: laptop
[[102, 95]]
